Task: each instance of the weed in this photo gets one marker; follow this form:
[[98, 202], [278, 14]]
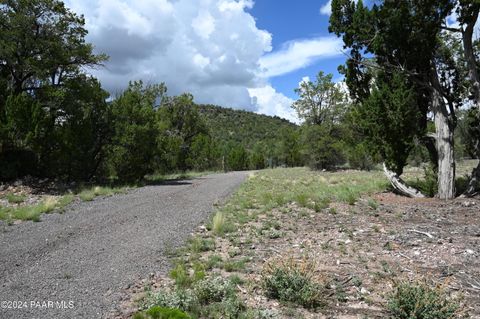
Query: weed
[[15, 199], [291, 280], [219, 223], [157, 312], [236, 280], [412, 300], [356, 281], [214, 261], [91, 193], [66, 200], [332, 210], [302, 199], [373, 204], [198, 245], [182, 276], [236, 265]]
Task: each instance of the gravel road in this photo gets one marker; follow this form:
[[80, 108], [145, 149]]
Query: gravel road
[[81, 260]]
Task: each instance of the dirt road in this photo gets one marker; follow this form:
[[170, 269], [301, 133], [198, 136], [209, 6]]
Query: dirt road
[[74, 265]]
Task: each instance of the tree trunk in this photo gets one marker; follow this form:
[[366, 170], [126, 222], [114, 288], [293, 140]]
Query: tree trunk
[[467, 36], [444, 142], [400, 186]]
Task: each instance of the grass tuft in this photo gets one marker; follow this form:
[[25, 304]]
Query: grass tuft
[[218, 222], [15, 199]]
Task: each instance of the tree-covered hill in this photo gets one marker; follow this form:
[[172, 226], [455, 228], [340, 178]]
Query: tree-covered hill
[[246, 128]]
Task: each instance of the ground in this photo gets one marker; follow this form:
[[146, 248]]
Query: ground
[[360, 238], [94, 249]]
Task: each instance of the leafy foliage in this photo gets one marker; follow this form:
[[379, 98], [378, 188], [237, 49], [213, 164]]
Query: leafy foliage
[[320, 101]]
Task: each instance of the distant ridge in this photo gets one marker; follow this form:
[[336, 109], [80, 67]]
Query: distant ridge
[[244, 127]]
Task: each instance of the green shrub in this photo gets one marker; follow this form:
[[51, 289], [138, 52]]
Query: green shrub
[[183, 299], [212, 290], [198, 245], [359, 157], [429, 184], [322, 149], [157, 312], [419, 300], [295, 281], [15, 199], [182, 276]]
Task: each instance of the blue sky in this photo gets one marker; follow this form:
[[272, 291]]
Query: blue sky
[[290, 21], [243, 54]]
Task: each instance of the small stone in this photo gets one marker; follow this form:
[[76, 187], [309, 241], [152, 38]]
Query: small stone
[[468, 204], [469, 251], [364, 291]]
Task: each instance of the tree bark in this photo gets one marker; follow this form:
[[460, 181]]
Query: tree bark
[[399, 185], [444, 142], [467, 36]]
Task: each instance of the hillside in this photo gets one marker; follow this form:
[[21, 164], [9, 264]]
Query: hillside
[[246, 128]]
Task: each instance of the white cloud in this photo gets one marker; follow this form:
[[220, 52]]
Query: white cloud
[[210, 48], [204, 24], [298, 54], [326, 8], [271, 102]]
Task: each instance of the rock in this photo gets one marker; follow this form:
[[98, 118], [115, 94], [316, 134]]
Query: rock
[[469, 251], [364, 291], [468, 204]]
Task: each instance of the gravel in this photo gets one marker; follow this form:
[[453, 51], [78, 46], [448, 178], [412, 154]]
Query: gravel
[[76, 264]]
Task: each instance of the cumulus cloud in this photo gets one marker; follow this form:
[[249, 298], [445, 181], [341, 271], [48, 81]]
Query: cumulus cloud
[[298, 54], [326, 8], [210, 48], [273, 103]]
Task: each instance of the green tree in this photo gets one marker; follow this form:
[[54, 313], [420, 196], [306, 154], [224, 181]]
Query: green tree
[[73, 143], [290, 148], [236, 157], [42, 43], [323, 148], [404, 38], [320, 101], [180, 124], [204, 153], [131, 153], [48, 108]]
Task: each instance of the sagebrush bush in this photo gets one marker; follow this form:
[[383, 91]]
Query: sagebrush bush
[[421, 300], [212, 290], [291, 280], [183, 299], [206, 298]]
